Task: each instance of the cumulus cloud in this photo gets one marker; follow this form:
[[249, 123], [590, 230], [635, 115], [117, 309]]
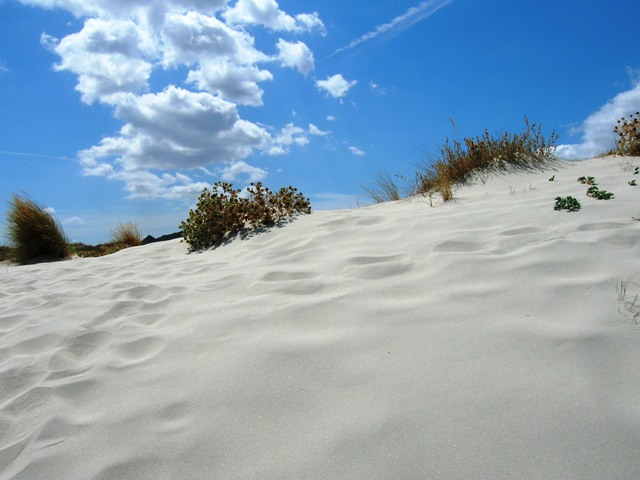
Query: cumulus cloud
[[295, 55], [336, 86], [234, 82], [168, 130], [174, 129], [597, 129], [108, 57], [267, 13], [288, 136], [239, 169]]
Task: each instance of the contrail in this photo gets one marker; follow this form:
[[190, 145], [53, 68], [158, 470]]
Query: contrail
[[35, 155], [408, 19]]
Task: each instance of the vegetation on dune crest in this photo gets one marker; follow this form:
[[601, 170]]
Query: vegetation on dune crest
[[127, 234], [628, 131], [458, 162], [222, 211], [34, 233]]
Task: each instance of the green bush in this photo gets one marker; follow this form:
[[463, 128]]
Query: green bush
[[221, 212], [567, 203], [587, 180], [458, 162], [34, 232], [598, 194], [628, 131]]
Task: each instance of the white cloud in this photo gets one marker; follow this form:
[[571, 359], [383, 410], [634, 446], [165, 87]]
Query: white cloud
[[107, 56], [295, 55], [234, 171], [336, 86], [400, 23], [233, 82], [169, 130], [3, 67], [189, 38], [268, 14], [313, 130], [74, 221], [357, 151], [597, 130], [331, 118], [288, 136], [174, 129]]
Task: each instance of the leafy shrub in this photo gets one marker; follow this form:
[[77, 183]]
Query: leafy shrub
[[126, 234], [628, 131], [598, 194], [34, 232], [458, 162], [567, 203], [221, 212], [587, 180], [632, 183]]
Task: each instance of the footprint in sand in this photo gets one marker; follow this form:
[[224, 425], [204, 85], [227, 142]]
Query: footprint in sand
[[137, 351], [375, 267], [80, 351]]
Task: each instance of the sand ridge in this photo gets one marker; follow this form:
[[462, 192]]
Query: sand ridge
[[482, 338]]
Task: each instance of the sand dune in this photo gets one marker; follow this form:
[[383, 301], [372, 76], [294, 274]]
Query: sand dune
[[482, 338]]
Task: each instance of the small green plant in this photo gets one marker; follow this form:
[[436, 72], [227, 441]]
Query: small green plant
[[598, 194], [34, 232], [567, 203], [126, 234], [587, 180], [552, 179], [632, 183], [628, 131], [636, 171], [221, 212]]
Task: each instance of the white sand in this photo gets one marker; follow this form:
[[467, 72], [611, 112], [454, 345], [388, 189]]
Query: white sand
[[481, 339]]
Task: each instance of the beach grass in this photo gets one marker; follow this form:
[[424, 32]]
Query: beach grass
[[127, 234], [458, 162], [34, 232]]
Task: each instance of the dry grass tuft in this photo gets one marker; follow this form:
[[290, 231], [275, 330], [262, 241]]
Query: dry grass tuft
[[628, 291], [34, 232], [384, 188], [127, 234], [458, 162]]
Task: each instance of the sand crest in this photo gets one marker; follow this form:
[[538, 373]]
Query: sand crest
[[483, 338]]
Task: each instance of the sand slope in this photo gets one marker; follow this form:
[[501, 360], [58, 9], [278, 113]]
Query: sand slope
[[478, 339]]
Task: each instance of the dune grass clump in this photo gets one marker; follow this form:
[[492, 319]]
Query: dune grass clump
[[628, 131], [458, 162], [221, 212], [126, 234], [34, 232], [383, 189]]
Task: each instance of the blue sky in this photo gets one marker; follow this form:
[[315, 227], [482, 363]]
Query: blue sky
[[123, 110]]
